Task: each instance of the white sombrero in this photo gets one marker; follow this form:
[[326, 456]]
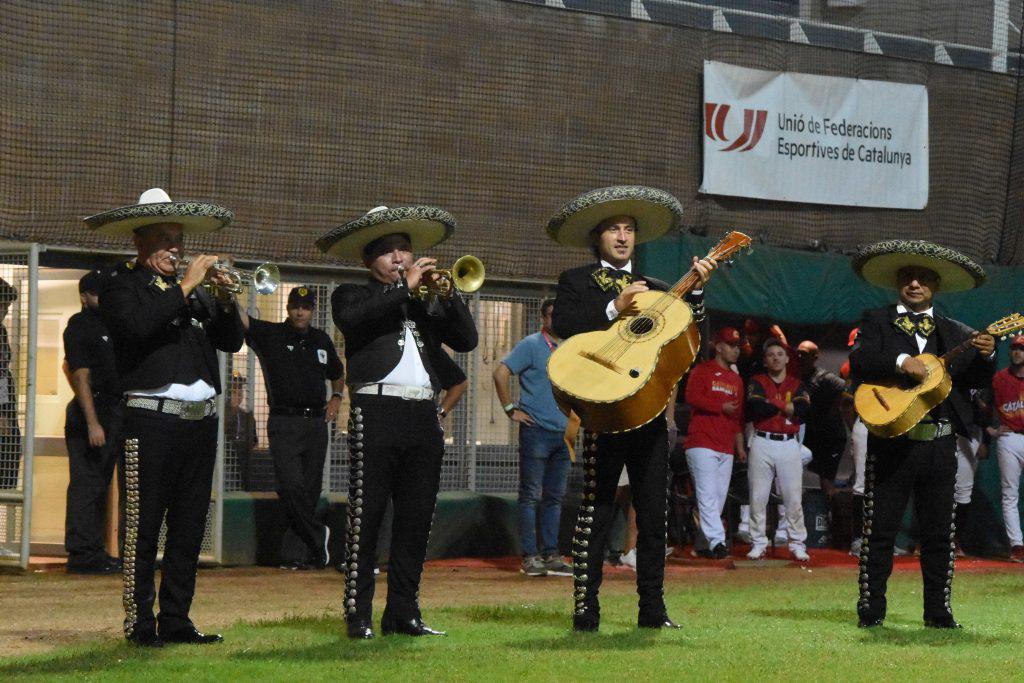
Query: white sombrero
[[156, 207], [880, 262], [426, 227]]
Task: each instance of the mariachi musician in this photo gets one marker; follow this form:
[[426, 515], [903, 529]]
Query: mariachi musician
[[166, 331], [611, 221], [922, 461], [393, 340]]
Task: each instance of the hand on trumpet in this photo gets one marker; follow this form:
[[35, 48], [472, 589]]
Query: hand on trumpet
[[419, 272], [201, 271]]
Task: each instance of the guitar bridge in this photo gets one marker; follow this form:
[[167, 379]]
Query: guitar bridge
[[602, 361]]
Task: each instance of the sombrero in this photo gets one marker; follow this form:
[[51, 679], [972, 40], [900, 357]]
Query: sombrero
[[426, 227], [156, 207], [878, 263], [655, 211]]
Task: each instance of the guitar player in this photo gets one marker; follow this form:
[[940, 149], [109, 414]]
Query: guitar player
[[611, 222], [922, 462]]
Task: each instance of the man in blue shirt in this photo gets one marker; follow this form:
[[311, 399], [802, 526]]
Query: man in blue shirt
[[543, 455]]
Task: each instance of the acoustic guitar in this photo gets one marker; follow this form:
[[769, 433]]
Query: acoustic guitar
[[890, 409], [621, 378]]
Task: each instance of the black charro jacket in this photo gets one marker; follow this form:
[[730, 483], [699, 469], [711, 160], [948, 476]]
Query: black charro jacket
[[879, 343], [581, 303], [160, 336], [371, 316]]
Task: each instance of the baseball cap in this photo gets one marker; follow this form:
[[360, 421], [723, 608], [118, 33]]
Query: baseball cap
[[302, 295], [91, 282], [727, 335]]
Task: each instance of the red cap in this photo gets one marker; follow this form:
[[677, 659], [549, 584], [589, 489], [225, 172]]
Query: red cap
[[1017, 342], [853, 336], [727, 335]]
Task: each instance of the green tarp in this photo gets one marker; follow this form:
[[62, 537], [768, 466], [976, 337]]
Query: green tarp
[[812, 288]]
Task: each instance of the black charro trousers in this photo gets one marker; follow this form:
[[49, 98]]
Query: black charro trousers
[[395, 447], [895, 469], [168, 472], [644, 452]]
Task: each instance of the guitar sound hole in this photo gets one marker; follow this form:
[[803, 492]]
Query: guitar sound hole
[[641, 325]]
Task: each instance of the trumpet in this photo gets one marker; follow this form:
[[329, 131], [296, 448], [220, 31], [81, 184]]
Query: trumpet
[[263, 280], [466, 275]]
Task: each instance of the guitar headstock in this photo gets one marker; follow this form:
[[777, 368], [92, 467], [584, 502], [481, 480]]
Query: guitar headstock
[[1004, 327], [729, 246]]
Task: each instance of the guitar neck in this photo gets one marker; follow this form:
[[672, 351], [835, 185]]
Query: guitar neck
[[685, 285]]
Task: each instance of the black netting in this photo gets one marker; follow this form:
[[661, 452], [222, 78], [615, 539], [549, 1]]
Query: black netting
[[301, 115]]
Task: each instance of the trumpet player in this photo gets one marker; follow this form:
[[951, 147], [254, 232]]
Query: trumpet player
[[297, 361], [165, 333], [392, 341]]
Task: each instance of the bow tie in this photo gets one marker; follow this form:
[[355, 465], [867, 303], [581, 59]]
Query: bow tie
[[612, 278], [915, 323]]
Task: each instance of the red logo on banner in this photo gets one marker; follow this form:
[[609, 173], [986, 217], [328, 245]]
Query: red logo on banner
[[753, 126]]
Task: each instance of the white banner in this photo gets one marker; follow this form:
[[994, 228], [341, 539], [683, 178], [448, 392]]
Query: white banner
[[816, 139]]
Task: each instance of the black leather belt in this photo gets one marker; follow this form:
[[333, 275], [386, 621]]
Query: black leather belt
[[300, 412], [775, 436]]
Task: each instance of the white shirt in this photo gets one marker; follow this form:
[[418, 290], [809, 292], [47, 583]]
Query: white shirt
[[200, 390], [410, 370]]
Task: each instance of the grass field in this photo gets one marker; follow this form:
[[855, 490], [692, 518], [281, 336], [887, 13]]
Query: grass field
[[778, 623]]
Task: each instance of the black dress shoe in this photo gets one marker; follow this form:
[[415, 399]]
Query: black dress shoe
[[869, 622], [145, 639], [720, 552], [408, 627], [98, 568], [585, 623], [360, 630], [295, 565], [661, 621], [191, 636], [942, 622]]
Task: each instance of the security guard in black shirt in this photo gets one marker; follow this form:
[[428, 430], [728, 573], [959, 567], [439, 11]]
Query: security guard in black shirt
[[297, 360], [165, 334], [93, 431]]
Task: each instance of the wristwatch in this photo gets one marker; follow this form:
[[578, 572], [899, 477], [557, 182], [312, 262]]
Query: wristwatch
[[509, 408], [336, 393], [441, 412]]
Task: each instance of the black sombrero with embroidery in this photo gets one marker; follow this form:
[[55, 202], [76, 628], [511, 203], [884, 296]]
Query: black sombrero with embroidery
[[426, 227], [879, 263], [156, 207], [655, 211]]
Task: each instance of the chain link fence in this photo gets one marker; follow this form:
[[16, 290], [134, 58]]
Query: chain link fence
[[481, 443]]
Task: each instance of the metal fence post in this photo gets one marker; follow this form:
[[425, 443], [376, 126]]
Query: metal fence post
[[30, 403], [474, 366], [218, 469]]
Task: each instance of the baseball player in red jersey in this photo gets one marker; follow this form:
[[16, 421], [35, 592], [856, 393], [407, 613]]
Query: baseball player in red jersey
[[715, 394], [1008, 386], [777, 403]]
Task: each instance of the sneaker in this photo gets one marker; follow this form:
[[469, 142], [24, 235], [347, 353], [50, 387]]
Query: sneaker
[[781, 539], [901, 552], [855, 547], [1017, 553], [719, 552], [556, 566], [629, 559], [800, 555], [533, 566], [743, 536], [757, 552]]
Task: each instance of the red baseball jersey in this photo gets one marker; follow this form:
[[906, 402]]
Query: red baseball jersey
[[709, 386], [790, 389], [1009, 397]]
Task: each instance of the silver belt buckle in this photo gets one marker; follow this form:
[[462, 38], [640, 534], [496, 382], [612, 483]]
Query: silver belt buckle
[[192, 410]]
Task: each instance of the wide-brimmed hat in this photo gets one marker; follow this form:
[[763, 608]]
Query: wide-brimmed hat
[[426, 227], [156, 207], [655, 211], [879, 263]]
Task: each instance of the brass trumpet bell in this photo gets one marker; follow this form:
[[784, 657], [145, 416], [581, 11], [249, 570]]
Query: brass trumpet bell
[[466, 275]]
